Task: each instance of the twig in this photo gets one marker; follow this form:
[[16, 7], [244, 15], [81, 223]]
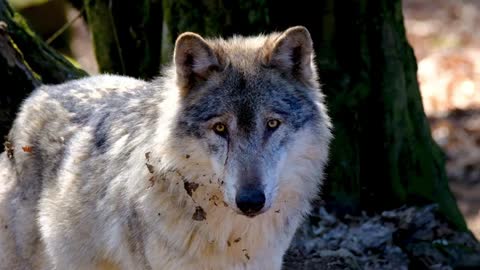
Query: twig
[[65, 27]]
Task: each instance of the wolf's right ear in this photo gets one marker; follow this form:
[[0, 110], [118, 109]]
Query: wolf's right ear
[[194, 60], [292, 53]]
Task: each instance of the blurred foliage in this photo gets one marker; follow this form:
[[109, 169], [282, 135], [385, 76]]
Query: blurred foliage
[[20, 4]]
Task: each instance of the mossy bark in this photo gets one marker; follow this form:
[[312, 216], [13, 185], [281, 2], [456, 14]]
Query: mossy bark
[[25, 63], [212, 18], [127, 36], [383, 155]]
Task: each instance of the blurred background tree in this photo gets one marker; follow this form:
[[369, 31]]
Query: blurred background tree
[[383, 155]]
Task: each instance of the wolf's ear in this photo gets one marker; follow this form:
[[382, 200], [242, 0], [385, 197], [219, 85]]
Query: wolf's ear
[[292, 53], [194, 60]]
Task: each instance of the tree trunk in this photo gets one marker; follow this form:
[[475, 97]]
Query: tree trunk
[[25, 62], [383, 155], [127, 36]]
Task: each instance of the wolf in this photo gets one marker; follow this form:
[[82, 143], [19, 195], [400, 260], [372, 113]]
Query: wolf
[[211, 165]]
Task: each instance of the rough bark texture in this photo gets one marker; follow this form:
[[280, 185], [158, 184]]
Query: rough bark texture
[[25, 62], [213, 18], [383, 155], [127, 36]]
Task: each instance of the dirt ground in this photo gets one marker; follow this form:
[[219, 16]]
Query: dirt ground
[[446, 41]]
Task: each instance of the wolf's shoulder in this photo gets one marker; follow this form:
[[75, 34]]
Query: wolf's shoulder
[[93, 87], [82, 97]]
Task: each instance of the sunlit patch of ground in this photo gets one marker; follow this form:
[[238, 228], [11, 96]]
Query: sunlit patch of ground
[[445, 35]]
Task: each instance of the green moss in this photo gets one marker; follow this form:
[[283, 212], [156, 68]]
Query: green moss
[[43, 61], [23, 24], [21, 4]]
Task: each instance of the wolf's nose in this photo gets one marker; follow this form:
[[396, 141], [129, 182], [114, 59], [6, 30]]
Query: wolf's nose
[[250, 201]]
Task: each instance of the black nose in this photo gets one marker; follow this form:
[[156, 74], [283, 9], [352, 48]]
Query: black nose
[[250, 200]]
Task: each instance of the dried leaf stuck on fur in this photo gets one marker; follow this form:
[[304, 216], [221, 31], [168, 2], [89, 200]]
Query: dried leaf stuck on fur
[[27, 149], [190, 187], [246, 253], [147, 156], [8, 148], [199, 214], [149, 167], [152, 181], [213, 198]]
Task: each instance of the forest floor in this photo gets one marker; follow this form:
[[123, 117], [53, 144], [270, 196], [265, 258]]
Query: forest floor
[[398, 239], [446, 41]]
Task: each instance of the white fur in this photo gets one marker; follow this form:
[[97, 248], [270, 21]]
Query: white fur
[[86, 223]]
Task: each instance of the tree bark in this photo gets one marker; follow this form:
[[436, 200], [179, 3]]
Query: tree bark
[[127, 36], [25, 63], [383, 155]]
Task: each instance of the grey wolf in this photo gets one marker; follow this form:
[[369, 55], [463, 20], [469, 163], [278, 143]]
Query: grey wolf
[[212, 165]]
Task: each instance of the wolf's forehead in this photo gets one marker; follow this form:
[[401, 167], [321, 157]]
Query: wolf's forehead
[[241, 52], [248, 89]]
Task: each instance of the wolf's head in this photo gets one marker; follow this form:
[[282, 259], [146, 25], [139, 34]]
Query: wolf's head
[[253, 107]]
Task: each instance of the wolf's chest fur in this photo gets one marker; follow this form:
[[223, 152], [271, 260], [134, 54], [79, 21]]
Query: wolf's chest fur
[[186, 211]]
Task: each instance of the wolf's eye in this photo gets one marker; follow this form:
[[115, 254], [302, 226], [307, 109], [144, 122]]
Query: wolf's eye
[[273, 124], [220, 129]]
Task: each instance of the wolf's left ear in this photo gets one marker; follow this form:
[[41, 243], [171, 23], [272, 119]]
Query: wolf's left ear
[[292, 53], [194, 60]]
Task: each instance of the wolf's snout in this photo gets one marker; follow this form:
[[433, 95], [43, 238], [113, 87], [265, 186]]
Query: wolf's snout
[[250, 201]]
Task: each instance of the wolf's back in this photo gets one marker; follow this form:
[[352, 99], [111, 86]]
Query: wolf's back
[[37, 145], [53, 114]]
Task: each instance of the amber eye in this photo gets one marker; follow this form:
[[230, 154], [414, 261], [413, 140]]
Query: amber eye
[[220, 129], [273, 123]]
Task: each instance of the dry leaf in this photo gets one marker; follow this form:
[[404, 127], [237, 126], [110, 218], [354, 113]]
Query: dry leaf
[[150, 167], [190, 187], [199, 214]]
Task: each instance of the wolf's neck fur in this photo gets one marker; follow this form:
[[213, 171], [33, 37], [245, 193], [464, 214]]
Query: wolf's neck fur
[[220, 231]]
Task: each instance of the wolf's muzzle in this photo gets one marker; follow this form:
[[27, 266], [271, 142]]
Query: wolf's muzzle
[[250, 200]]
